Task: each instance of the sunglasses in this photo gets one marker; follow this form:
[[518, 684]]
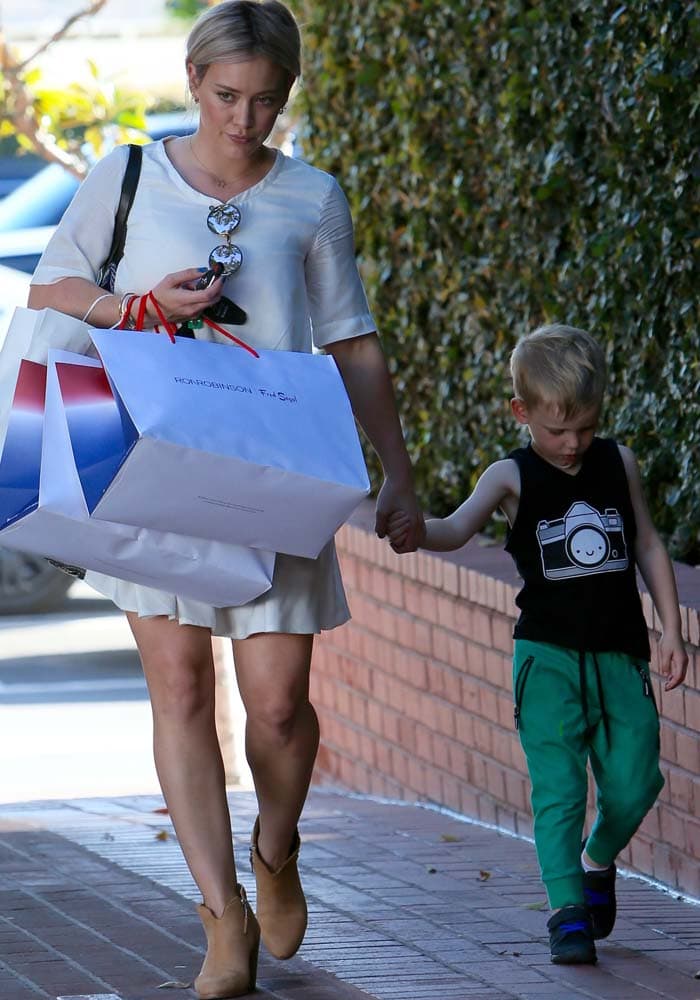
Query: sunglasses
[[223, 220]]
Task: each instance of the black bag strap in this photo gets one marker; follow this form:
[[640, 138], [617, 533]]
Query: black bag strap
[[129, 185]]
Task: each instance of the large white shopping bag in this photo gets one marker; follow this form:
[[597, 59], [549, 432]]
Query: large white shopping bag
[[32, 333], [225, 443], [43, 510]]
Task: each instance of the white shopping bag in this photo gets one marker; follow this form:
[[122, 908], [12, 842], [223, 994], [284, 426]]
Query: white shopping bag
[[32, 333], [43, 510], [220, 442]]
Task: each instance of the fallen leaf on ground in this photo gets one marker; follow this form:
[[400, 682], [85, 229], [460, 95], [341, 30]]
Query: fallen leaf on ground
[[173, 984], [107, 836], [431, 871], [484, 876], [450, 838], [162, 835], [162, 811], [542, 905]]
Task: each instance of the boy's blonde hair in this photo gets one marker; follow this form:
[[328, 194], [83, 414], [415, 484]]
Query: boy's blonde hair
[[559, 366]]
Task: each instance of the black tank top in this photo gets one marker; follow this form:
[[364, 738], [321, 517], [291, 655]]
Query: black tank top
[[573, 544]]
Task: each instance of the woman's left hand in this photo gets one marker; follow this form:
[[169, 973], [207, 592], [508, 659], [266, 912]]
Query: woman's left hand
[[397, 498]]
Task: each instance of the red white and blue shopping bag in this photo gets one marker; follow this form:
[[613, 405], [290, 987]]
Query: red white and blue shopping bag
[[227, 443], [49, 515]]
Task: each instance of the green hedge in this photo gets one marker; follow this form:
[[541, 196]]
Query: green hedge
[[509, 164]]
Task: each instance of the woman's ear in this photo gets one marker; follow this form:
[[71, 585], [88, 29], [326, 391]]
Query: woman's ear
[[519, 410], [192, 81]]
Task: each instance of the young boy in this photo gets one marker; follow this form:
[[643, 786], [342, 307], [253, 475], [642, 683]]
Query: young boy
[[578, 525]]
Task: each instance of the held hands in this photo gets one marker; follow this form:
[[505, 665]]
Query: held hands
[[178, 298], [673, 660], [399, 516]]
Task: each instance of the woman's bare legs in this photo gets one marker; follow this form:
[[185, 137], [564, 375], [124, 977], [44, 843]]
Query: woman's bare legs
[[281, 732], [179, 668]]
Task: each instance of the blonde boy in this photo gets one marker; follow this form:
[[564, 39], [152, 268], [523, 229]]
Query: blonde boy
[[578, 527]]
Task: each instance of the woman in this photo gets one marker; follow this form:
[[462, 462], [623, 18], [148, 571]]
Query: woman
[[299, 285]]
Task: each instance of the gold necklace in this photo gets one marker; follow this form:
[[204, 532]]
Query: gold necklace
[[218, 181]]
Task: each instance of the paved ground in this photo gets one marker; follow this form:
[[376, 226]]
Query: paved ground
[[406, 904]]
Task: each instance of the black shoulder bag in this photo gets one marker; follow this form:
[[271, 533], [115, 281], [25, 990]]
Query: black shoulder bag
[[105, 276]]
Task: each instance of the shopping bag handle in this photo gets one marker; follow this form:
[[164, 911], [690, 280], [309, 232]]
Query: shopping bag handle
[[169, 327]]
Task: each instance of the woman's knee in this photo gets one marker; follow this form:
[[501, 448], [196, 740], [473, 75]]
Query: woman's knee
[[278, 713], [180, 689]]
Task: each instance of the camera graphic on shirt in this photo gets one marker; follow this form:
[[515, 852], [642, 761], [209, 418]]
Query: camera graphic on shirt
[[582, 543]]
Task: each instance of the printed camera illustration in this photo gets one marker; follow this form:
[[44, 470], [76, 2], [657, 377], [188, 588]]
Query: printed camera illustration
[[582, 542]]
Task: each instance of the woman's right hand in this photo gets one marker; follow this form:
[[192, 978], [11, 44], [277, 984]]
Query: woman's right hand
[[179, 300]]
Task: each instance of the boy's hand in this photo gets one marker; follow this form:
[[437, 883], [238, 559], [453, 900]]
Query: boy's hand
[[399, 527], [673, 660]]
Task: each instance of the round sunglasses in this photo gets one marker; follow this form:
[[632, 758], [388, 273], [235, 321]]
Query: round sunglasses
[[223, 220]]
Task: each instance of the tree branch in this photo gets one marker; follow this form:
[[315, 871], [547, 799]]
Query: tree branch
[[93, 8]]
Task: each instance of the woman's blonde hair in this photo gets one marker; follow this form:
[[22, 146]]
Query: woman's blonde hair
[[559, 366], [238, 29]]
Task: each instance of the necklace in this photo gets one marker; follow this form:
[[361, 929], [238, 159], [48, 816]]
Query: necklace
[[219, 181]]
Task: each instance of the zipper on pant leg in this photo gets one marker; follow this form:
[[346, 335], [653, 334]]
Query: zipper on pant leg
[[519, 688], [647, 688]]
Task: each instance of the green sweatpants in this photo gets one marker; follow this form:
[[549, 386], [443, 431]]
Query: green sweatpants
[[570, 708]]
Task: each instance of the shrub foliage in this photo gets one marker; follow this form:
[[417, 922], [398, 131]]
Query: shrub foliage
[[509, 164]]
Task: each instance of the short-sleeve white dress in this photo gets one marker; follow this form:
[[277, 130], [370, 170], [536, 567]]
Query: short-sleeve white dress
[[300, 287]]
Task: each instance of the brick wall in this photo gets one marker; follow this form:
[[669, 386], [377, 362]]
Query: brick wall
[[415, 696]]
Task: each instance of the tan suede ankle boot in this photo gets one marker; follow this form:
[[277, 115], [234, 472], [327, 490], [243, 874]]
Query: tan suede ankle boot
[[280, 905], [233, 939]]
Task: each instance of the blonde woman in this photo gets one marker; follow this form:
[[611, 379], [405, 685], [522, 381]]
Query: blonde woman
[[282, 231]]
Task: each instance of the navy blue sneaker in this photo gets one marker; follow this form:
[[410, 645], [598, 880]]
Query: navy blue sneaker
[[599, 894], [571, 937]]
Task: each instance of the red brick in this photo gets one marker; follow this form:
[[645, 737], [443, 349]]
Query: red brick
[[694, 626], [440, 645], [450, 578], [458, 759], [495, 781], [501, 746], [487, 810], [481, 627], [475, 663], [440, 751], [468, 801], [672, 706], [651, 824], [502, 632], [470, 695], [668, 744], [642, 854], [692, 710], [433, 785], [452, 792], [464, 726], [688, 750], [446, 608], [488, 703], [416, 775], [681, 788], [482, 736], [672, 827], [517, 791]]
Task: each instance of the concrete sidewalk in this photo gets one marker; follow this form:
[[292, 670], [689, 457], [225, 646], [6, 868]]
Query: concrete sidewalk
[[405, 903]]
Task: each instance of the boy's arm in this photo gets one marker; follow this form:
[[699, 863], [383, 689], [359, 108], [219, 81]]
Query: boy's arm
[[657, 571], [499, 483]]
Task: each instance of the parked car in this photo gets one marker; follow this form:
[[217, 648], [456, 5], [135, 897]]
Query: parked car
[[28, 217]]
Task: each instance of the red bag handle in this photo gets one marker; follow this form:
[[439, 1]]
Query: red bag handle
[[169, 327]]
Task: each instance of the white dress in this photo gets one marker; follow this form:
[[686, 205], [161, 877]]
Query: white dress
[[300, 287]]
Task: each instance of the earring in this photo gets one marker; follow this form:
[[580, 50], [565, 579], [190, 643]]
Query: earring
[[282, 109]]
